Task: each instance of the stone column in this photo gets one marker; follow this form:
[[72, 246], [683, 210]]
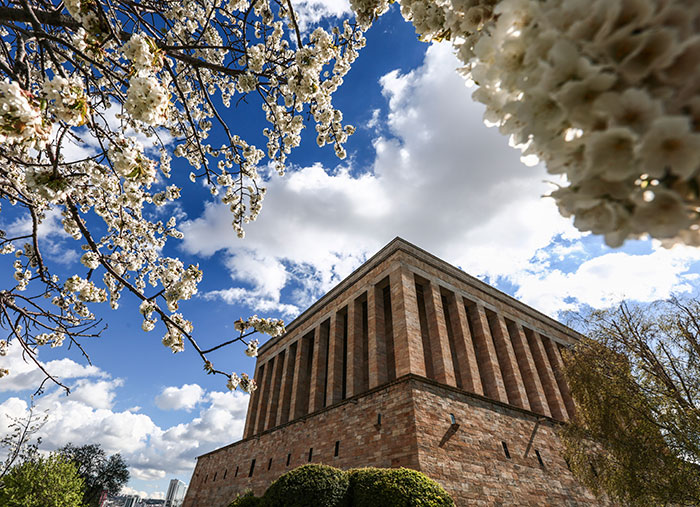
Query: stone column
[[544, 370], [317, 394], [297, 383], [286, 388], [275, 391], [443, 369], [376, 337], [253, 405], [515, 388], [528, 369], [354, 359], [486, 354], [334, 388], [408, 343], [265, 390], [469, 367], [558, 366]]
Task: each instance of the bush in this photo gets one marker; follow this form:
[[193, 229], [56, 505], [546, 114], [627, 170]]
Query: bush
[[247, 499], [309, 486], [395, 487]]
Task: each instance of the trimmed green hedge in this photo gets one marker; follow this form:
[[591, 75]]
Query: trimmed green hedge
[[247, 499], [309, 486], [396, 487]]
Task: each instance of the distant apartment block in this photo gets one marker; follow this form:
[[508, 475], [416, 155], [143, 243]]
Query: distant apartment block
[[176, 493]]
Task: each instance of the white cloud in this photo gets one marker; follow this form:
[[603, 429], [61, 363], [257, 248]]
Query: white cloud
[[25, 375], [177, 398], [156, 495], [152, 452], [310, 12], [442, 180], [607, 279]]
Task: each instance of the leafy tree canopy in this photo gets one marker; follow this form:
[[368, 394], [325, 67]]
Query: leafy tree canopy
[[100, 473], [636, 382], [42, 482]]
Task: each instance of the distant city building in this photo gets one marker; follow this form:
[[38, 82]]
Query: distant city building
[[132, 501], [176, 493]]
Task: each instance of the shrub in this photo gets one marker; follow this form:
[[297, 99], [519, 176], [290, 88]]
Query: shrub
[[247, 499], [309, 486], [395, 487]]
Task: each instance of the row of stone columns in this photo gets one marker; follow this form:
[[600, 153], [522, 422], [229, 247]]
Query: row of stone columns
[[408, 324]]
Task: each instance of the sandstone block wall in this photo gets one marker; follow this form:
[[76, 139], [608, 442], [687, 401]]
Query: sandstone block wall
[[416, 431]]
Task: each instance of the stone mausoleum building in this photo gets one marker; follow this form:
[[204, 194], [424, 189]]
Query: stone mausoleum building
[[409, 362]]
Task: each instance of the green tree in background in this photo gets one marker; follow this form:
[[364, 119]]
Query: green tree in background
[[42, 482], [636, 382], [99, 472]]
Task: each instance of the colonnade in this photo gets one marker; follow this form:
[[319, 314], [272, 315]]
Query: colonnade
[[404, 324]]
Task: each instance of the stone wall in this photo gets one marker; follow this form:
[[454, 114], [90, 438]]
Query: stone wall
[[415, 430]]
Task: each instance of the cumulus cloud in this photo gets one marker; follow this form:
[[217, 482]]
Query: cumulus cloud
[[156, 495], [25, 375], [151, 451], [310, 12], [607, 279], [178, 398], [440, 179]]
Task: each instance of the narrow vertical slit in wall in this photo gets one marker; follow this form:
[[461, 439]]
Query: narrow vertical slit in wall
[[311, 453], [539, 457], [325, 344], [337, 448], [225, 472], [507, 373], [451, 341], [287, 394], [252, 467], [236, 474], [289, 458], [389, 334], [206, 477], [505, 450], [344, 390], [269, 464], [364, 380], [214, 479], [425, 336]]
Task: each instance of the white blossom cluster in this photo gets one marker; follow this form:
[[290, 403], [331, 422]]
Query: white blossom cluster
[[271, 327], [21, 120], [246, 383], [69, 100], [147, 100], [604, 92], [252, 348]]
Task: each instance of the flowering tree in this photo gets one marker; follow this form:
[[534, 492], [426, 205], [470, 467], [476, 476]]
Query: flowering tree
[[112, 74], [604, 92]]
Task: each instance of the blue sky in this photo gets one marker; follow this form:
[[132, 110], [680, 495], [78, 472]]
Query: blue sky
[[422, 166]]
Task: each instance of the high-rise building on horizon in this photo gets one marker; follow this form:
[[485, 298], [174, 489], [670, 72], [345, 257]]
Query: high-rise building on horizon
[[176, 493], [409, 362]]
